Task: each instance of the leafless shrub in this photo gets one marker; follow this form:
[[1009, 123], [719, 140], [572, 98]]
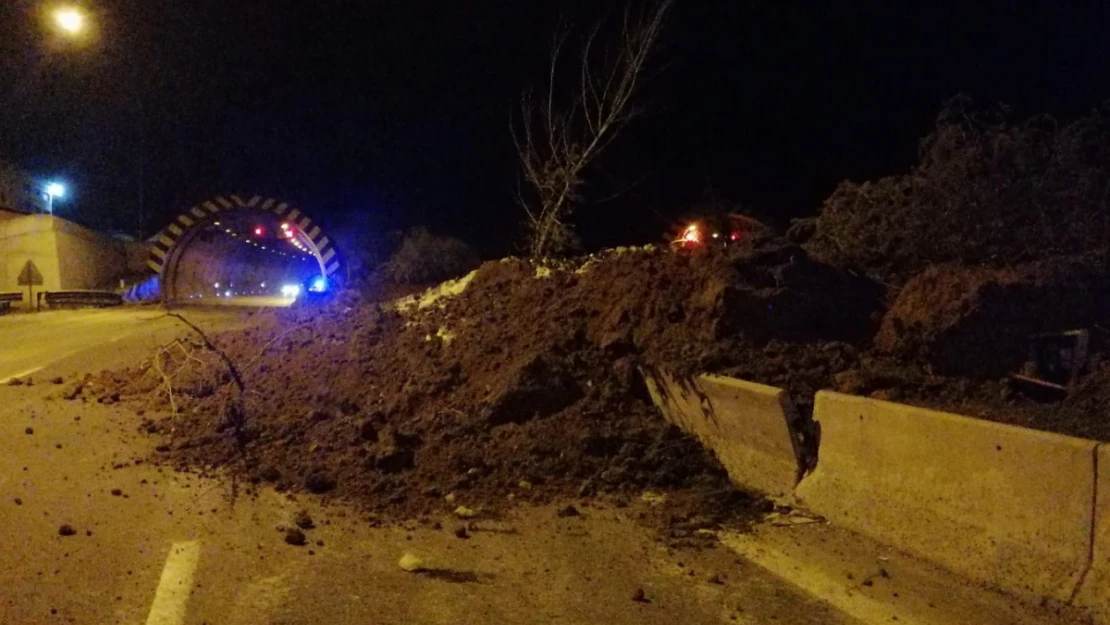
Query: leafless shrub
[[425, 258], [562, 130]]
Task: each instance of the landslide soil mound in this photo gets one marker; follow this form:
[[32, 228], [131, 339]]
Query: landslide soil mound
[[521, 379], [976, 322]]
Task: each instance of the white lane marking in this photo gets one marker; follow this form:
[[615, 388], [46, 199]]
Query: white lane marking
[[816, 582], [65, 355], [21, 374], [172, 596]]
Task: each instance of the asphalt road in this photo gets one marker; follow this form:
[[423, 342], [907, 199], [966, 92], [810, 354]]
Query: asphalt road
[[154, 546], [245, 301], [31, 341]]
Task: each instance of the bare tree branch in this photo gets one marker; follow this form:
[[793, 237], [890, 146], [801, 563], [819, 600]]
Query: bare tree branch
[[559, 137]]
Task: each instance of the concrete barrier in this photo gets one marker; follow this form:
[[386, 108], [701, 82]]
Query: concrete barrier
[[747, 426], [1003, 505], [1094, 593]]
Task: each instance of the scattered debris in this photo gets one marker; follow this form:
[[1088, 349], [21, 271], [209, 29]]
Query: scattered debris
[[304, 520], [567, 512], [465, 513], [295, 537], [411, 563]]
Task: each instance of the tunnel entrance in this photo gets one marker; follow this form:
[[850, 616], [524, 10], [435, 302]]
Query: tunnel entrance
[[257, 251]]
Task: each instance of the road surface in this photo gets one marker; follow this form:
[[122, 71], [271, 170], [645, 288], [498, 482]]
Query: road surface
[[247, 301], [29, 342], [153, 546]]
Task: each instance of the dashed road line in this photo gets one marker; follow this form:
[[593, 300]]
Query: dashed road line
[[172, 598]]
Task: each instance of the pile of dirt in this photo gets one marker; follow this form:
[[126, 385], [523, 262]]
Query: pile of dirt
[[519, 381], [975, 322]]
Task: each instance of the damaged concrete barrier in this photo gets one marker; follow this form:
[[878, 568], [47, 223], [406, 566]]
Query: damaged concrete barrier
[[1002, 505], [1094, 593], [747, 425]]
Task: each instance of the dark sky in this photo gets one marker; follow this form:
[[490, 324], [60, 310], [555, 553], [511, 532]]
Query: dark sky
[[391, 113]]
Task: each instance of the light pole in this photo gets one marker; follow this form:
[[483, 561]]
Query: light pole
[[53, 190]]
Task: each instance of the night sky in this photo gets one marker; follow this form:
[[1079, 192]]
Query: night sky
[[385, 114]]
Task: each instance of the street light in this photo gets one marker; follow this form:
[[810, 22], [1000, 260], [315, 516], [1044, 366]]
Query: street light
[[53, 190], [70, 20]]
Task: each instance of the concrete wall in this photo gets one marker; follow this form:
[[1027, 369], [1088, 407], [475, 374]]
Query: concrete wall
[[67, 255], [87, 260], [1002, 505], [30, 237], [748, 426], [137, 254], [1020, 510]]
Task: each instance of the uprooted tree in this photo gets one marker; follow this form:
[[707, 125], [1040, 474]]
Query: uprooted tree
[[561, 131], [986, 191]]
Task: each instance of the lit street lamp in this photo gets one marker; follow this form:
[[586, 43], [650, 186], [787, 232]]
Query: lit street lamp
[[53, 190], [69, 20]]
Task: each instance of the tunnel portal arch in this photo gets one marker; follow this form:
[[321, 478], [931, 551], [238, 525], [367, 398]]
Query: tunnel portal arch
[[171, 241]]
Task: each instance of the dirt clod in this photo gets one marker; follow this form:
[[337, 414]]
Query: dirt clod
[[411, 563], [29, 430], [319, 482], [304, 520], [66, 530], [295, 537], [640, 596], [567, 512]]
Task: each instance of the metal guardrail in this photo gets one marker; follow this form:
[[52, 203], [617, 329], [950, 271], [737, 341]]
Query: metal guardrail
[[58, 299], [6, 300]]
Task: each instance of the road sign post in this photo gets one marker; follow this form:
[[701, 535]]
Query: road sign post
[[30, 277]]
